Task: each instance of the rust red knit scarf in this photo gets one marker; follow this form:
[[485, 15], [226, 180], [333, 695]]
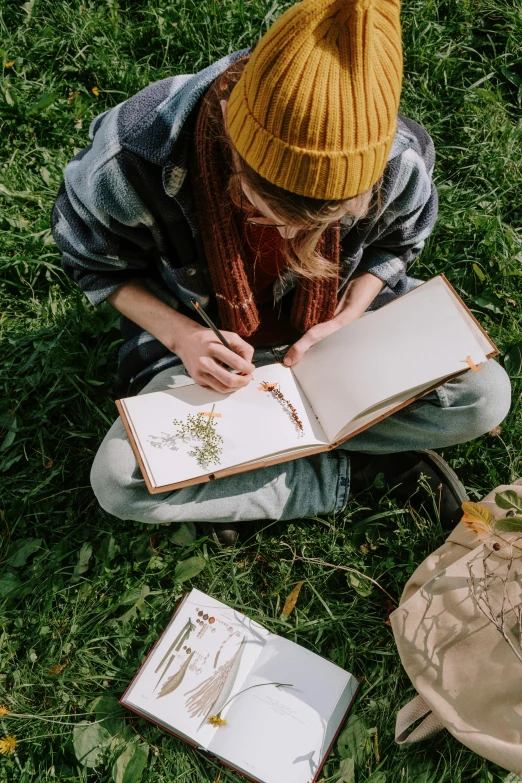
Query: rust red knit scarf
[[219, 221]]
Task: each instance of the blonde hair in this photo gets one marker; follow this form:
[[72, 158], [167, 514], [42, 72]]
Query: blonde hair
[[309, 215]]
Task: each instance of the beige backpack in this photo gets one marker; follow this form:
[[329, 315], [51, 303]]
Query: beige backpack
[[458, 632]]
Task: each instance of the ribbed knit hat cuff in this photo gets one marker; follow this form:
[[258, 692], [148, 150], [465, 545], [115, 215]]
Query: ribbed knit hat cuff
[[315, 173]]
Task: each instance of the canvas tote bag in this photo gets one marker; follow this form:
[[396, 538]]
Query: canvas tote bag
[[457, 630]]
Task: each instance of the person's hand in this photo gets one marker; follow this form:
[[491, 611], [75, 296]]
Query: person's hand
[[309, 338], [204, 355], [360, 292]]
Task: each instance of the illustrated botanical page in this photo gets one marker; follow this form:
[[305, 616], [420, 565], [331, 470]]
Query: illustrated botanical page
[[199, 663], [186, 432]]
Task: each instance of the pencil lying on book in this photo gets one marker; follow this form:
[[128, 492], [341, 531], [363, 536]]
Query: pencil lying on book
[[210, 323]]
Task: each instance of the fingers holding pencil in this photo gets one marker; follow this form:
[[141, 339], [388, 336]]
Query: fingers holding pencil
[[231, 352], [239, 358]]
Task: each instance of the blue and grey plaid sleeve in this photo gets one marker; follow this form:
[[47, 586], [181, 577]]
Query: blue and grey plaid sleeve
[[99, 220], [408, 211]]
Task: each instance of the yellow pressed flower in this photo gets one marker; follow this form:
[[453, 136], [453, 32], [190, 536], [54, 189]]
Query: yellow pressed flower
[[9, 64], [217, 720], [95, 91], [8, 744], [3, 711]]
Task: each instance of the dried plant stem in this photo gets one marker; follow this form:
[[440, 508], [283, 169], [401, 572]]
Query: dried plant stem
[[483, 601], [285, 404], [178, 642], [216, 689], [176, 679], [195, 429]]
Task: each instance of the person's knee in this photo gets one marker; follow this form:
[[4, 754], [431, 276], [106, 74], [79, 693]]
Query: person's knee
[[111, 476], [489, 399]]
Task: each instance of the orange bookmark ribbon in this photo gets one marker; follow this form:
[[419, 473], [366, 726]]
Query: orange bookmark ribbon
[[472, 365], [211, 415]]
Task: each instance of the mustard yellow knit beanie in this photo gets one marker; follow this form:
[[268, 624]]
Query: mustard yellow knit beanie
[[315, 110]]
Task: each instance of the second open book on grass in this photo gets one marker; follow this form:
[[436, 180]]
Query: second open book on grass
[[261, 704], [345, 383]]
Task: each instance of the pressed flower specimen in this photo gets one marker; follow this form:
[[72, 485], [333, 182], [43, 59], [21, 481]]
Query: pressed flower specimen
[[277, 394], [200, 432], [211, 696], [176, 645], [217, 720], [175, 681]]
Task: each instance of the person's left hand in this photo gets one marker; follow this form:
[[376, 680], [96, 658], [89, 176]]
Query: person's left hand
[[312, 336], [360, 292]]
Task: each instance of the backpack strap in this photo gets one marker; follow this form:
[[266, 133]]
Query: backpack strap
[[408, 715]]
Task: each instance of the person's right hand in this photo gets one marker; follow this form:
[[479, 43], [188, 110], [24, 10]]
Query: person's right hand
[[204, 357]]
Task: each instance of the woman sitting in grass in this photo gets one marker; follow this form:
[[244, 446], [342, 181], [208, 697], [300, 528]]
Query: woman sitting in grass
[[284, 192]]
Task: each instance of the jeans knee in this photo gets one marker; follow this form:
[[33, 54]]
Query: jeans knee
[[109, 479], [490, 399]]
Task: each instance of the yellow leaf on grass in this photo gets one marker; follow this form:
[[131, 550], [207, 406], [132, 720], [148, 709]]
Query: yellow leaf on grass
[[291, 600], [57, 668], [477, 517]]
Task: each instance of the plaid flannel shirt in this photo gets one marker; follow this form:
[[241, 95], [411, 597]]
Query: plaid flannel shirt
[[125, 211]]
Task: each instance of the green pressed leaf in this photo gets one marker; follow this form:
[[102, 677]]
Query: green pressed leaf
[[9, 584], [20, 551], [347, 771], [513, 360], [509, 525], [377, 777], [84, 555], [509, 499], [353, 741], [184, 535], [90, 741], [130, 765], [42, 103], [188, 569]]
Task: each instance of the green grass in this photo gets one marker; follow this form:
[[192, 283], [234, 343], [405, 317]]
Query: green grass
[[93, 593]]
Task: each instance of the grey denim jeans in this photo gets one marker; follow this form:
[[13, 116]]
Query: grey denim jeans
[[458, 411]]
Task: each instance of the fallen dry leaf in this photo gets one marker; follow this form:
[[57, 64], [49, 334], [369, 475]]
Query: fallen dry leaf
[[477, 517], [291, 600], [57, 668]]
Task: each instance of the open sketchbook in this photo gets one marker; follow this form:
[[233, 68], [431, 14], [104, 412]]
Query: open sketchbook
[[344, 384], [212, 661]]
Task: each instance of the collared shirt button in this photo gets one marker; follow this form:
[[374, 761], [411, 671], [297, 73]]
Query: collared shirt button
[[192, 271]]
